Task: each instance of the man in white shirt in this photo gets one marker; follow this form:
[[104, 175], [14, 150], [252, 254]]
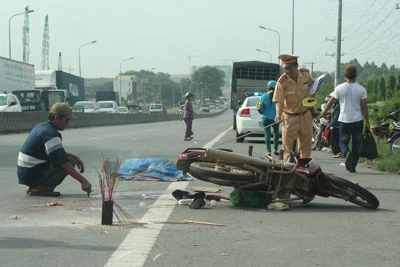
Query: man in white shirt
[[353, 108]]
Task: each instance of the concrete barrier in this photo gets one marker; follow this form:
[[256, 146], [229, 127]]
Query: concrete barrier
[[14, 122]]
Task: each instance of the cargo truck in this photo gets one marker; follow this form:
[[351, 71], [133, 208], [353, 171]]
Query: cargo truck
[[16, 75], [60, 86], [250, 76], [106, 95], [51, 86]]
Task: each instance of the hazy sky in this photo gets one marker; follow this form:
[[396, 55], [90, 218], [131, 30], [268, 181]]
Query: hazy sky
[[171, 35]]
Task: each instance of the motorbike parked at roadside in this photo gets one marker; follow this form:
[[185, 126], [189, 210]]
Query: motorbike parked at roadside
[[390, 131], [325, 138], [321, 130], [279, 180]]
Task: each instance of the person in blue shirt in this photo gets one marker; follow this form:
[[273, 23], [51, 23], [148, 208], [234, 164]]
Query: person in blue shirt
[[43, 162], [268, 117]]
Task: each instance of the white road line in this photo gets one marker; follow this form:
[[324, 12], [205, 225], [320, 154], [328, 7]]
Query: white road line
[[134, 249], [136, 246], [216, 139]]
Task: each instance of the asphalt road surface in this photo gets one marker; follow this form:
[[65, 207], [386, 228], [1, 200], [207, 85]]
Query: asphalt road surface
[[325, 232]]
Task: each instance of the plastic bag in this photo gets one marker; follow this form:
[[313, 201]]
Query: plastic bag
[[368, 146]]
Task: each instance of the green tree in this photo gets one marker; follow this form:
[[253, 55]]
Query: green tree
[[398, 82], [382, 89], [207, 82], [372, 96], [391, 86]]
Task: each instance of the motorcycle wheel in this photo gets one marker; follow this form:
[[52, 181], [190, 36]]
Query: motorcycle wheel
[[224, 172], [314, 132], [350, 191], [395, 145]]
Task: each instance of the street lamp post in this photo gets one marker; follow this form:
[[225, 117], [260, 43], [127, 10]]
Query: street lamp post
[[9, 29], [120, 81], [279, 37], [92, 42], [270, 56]]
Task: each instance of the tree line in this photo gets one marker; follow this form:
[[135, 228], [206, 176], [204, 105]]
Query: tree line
[[150, 87], [382, 84]]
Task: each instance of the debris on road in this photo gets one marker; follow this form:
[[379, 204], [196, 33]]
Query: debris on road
[[55, 203]]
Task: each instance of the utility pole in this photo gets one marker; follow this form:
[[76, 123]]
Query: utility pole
[[312, 66], [25, 38], [338, 44], [293, 27]]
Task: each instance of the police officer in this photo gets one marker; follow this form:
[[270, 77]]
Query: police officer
[[292, 87]]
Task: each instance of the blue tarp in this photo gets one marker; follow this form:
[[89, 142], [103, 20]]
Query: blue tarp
[[149, 169]]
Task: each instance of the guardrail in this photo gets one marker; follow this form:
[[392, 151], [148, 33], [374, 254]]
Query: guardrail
[[14, 122]]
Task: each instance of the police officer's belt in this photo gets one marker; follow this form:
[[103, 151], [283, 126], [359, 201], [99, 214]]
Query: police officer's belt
[[296, 114]]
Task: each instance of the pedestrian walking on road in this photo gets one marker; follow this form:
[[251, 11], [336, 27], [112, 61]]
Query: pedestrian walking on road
[[352, 98], [187, 115], [43, 162]]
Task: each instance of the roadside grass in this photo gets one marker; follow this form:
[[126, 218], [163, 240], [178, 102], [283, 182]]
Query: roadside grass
[[386, 161]]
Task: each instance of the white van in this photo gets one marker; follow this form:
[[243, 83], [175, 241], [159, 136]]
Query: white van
[[9, 103], [107, 106], [156, 108]]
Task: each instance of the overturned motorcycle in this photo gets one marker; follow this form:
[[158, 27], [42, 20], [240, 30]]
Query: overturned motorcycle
[[278, 180]]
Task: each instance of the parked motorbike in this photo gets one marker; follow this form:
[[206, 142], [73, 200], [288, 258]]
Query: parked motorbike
[[325, 136], [390, 132], [279, 180]]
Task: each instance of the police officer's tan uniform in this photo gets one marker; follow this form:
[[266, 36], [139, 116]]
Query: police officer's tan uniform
[[296, 119]]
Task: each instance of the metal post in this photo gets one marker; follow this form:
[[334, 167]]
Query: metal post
[[293, 27], [9, 29], [338, 44], [92, 42], [279, 38], [270, 56]]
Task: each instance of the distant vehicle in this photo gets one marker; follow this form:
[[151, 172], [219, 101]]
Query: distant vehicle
[[60, 86], [106, 95], [41, 99], [57, 96], [248, 120], [212, 105], [9, 103], [85, 106], [250, 76], [107, 106], [156, 108], [16, 75], [205, 108], [134, 109], [123, 110], [32, 100]]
